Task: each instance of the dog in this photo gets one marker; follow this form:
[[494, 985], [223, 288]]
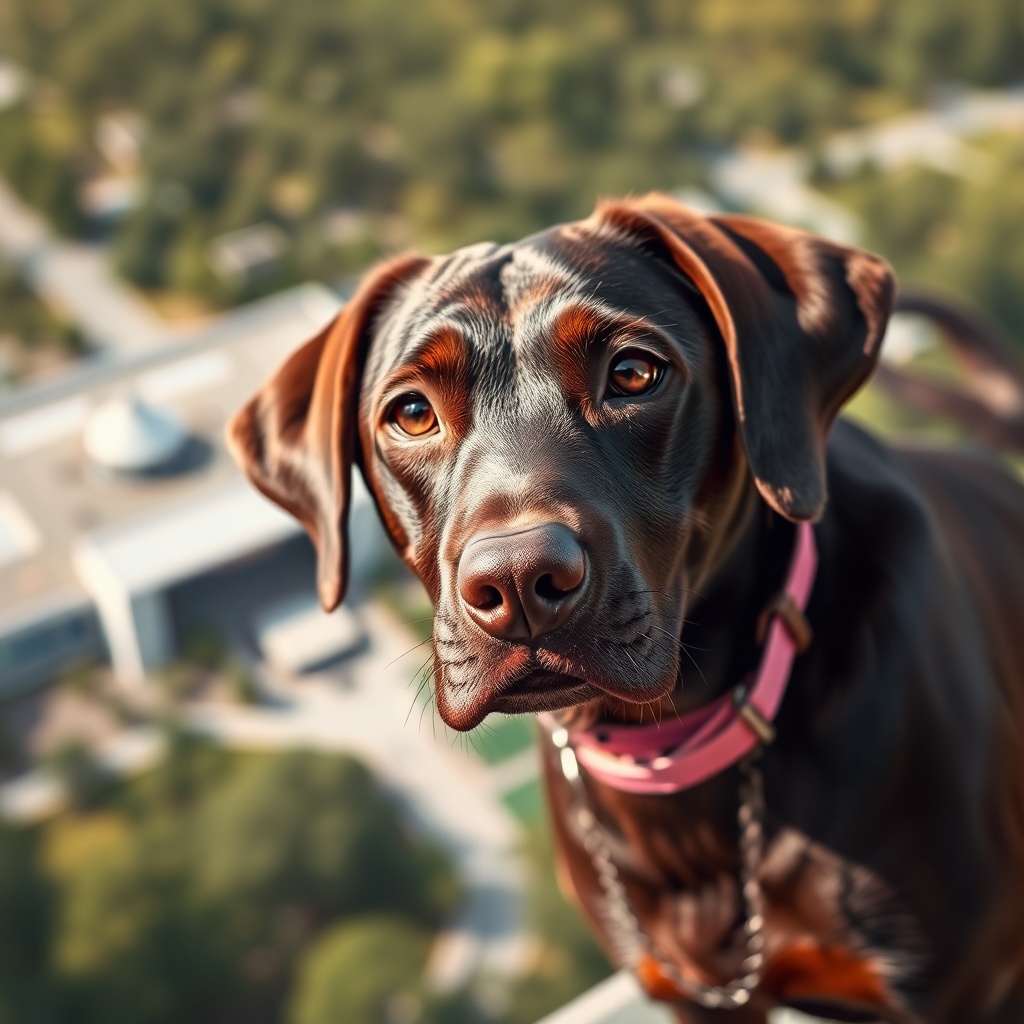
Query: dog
[[608, 451]]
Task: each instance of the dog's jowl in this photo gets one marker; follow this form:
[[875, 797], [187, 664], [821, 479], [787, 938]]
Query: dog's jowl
[[777, 665]]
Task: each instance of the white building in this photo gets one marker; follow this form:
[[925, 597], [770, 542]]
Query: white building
[[123, 519]]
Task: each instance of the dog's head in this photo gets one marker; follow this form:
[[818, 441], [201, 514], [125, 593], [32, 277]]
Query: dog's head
[[557, 433]]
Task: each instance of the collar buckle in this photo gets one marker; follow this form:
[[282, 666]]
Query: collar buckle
[[783, 607], [755, 721]]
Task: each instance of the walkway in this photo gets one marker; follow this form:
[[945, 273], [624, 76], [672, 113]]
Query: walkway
[[77, 279]]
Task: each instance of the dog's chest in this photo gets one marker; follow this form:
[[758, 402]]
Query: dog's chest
[[834, 932]]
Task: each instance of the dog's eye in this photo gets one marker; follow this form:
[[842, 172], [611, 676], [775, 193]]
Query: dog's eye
[[634, 373], [412, 414]]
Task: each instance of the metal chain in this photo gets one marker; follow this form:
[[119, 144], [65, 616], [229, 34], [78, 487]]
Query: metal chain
[[620, 914]]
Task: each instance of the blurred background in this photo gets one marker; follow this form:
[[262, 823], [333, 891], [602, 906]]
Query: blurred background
[[216, 803]]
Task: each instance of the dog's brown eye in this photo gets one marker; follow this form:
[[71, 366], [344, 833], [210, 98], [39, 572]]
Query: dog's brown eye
[[413, 415], [634, 373]]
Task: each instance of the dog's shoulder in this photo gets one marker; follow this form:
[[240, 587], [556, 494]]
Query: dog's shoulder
[[920, 551], [962, 495], [877, 512], [925, 547], [968, 501]]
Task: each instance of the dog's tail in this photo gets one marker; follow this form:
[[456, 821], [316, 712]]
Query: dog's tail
[[990, 405]]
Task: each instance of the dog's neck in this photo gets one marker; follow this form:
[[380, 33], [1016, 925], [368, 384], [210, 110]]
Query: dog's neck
[[720, 628]]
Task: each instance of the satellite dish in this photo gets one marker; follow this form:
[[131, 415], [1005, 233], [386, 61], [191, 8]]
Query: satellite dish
[[125, 435]]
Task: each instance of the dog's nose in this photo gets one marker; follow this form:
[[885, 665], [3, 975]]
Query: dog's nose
[[525, 584]]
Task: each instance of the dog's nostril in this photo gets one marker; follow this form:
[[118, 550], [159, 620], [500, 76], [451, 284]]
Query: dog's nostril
[[488, 598], [545, 587]]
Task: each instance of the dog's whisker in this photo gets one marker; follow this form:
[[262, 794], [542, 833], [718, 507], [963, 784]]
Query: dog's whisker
[[657, 711], [479, 739], [684, 648], [429, 703], [680, 642], [424, 682], [405, 653], [636, 664], [412, 704], [420, 671], [672, 636], [425, 677], [693, 662]]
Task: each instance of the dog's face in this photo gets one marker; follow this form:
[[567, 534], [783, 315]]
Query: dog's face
[[558, 432], [538, 420]]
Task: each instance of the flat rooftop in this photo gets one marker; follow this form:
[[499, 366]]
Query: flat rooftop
[[52, 498]]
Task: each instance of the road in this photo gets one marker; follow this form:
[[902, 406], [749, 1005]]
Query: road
[[76, 279]]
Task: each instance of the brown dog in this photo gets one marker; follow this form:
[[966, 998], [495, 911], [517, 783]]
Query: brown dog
[[592, 447]]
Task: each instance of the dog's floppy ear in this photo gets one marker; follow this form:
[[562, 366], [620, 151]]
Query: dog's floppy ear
[[296, 438], [802, 319]]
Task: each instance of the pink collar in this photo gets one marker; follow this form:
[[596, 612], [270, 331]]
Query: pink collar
[[668, 757]]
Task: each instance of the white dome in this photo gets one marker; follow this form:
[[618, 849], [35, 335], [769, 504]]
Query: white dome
[[126, 435]]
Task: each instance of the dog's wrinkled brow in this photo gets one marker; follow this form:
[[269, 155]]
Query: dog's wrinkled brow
[[441, 354], [578, 324]]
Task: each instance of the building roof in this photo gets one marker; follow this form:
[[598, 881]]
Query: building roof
[[62, 499], [186, 538], [618, 1000]]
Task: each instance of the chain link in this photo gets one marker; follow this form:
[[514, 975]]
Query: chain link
[[623, 920]]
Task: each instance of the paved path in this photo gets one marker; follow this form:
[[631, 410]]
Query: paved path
[[446, 791], [37, 794], [77, 279]]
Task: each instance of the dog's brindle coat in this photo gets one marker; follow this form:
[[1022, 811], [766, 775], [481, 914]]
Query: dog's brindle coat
[[895, 860]]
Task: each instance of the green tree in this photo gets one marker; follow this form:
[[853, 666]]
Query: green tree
[[26, 923], [444, 121], [192, 892], [366, 971], [314, 831], [128, 932]]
